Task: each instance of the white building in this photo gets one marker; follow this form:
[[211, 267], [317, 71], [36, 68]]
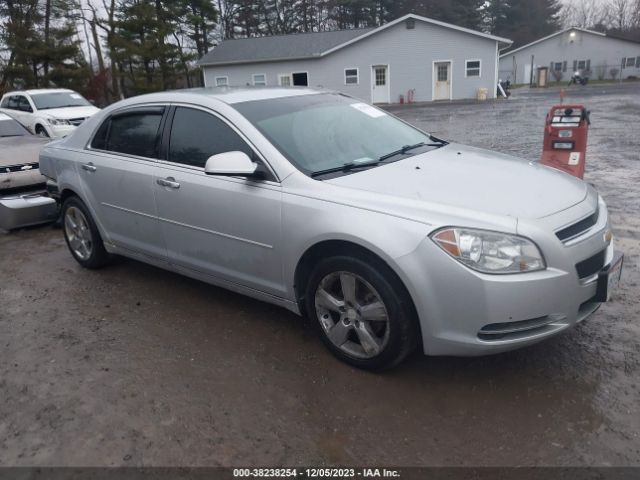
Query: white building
[[413, 57], [574, 49]]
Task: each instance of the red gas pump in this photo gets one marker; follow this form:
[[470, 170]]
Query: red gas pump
[[565, 139]]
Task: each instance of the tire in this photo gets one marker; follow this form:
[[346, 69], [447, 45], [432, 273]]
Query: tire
[[81, 234], [349, 327], [41, 131]]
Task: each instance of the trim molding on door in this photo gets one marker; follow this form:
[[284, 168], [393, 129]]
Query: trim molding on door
[[193, 227]]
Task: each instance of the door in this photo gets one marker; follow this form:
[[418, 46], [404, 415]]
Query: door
[[380, 84], [117, 178], [527, 73], [22, 111], [442, 81], [226, 227]]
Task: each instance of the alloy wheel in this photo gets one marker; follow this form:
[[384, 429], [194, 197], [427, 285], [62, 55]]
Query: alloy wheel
[[76, 228], [352, 314]]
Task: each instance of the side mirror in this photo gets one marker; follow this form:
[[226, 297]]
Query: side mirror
[[231, 164]]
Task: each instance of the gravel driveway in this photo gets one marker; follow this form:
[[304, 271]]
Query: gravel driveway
[[132, 365]]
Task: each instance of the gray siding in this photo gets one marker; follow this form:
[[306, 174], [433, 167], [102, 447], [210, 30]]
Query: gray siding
[[604, 54], [409, 53]]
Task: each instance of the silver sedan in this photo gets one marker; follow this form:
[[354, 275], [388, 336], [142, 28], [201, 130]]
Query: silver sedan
[[386, 237]]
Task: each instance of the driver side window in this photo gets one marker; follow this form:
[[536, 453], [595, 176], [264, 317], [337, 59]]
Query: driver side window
[[23, 104], [196, 135]]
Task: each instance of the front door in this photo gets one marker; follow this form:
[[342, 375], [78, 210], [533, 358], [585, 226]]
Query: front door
[[225, 227], [442, 81], [380, 84]]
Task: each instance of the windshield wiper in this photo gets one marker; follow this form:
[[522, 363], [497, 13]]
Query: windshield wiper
[[347, 167], [407, 148]]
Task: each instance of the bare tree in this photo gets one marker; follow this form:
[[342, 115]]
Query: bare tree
[[621, 14], [584, 13]]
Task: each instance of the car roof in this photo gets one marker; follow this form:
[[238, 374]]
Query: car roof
[[36, 91], [229, 95]]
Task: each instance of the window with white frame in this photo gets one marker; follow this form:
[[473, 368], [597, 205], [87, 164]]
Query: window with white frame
[[259, 79], [472, 68], [222, 81], [631, 62], [351, 76], [284, 80]]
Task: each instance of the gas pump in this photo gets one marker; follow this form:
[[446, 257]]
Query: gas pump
[[565, 139]]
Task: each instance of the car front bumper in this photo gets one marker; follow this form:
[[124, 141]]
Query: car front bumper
[[464, 313], [59, 131]]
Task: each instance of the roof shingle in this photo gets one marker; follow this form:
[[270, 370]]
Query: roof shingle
[[278, 47]]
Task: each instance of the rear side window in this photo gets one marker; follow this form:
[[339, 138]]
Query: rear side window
[[5, 103], [133, 133], [13, 102], [197, 135]]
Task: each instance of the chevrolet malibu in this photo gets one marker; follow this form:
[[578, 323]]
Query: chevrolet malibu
[[386, 237]]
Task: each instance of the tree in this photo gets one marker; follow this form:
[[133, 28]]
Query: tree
[[528, 20], [43, 46]]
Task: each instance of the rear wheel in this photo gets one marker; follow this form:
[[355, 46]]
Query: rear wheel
[[364, 314], [81, 235]]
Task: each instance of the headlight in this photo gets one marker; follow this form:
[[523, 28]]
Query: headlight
[[490, 252], [58, 121]]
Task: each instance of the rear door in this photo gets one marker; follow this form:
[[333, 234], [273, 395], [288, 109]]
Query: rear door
[[226, 227], [19, 106], [117, 176]]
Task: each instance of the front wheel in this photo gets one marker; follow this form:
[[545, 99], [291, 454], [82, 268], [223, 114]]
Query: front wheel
[[41, 131], [363, 312], [81, 234]]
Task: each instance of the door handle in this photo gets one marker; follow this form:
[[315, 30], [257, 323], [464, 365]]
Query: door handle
[[89, 167], [168, 182]]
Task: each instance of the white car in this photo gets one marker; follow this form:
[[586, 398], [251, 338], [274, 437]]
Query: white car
[[48, 112]]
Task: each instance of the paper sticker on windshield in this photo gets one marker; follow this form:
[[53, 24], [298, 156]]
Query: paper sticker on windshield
[[76, 96], [368, 110]]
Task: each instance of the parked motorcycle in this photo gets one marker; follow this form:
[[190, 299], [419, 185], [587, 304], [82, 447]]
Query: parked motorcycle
[[578, 79]]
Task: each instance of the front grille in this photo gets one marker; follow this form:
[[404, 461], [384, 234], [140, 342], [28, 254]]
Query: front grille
[[591, 265], [76, 121], [23, 167], [578, 228]]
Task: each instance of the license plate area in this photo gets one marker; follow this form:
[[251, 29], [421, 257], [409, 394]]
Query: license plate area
[[609, 279]]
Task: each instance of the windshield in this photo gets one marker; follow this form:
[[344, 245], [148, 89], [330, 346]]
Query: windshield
[[45, 101], [10, 128], [325, 131]]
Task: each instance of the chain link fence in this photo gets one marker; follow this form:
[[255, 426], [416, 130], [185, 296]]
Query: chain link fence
[[559, 72]]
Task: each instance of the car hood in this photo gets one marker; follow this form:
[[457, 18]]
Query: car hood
[[473, 179], [68, 113], [20, 150]]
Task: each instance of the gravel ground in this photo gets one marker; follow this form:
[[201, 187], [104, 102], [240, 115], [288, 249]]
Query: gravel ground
[[132, 365]]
